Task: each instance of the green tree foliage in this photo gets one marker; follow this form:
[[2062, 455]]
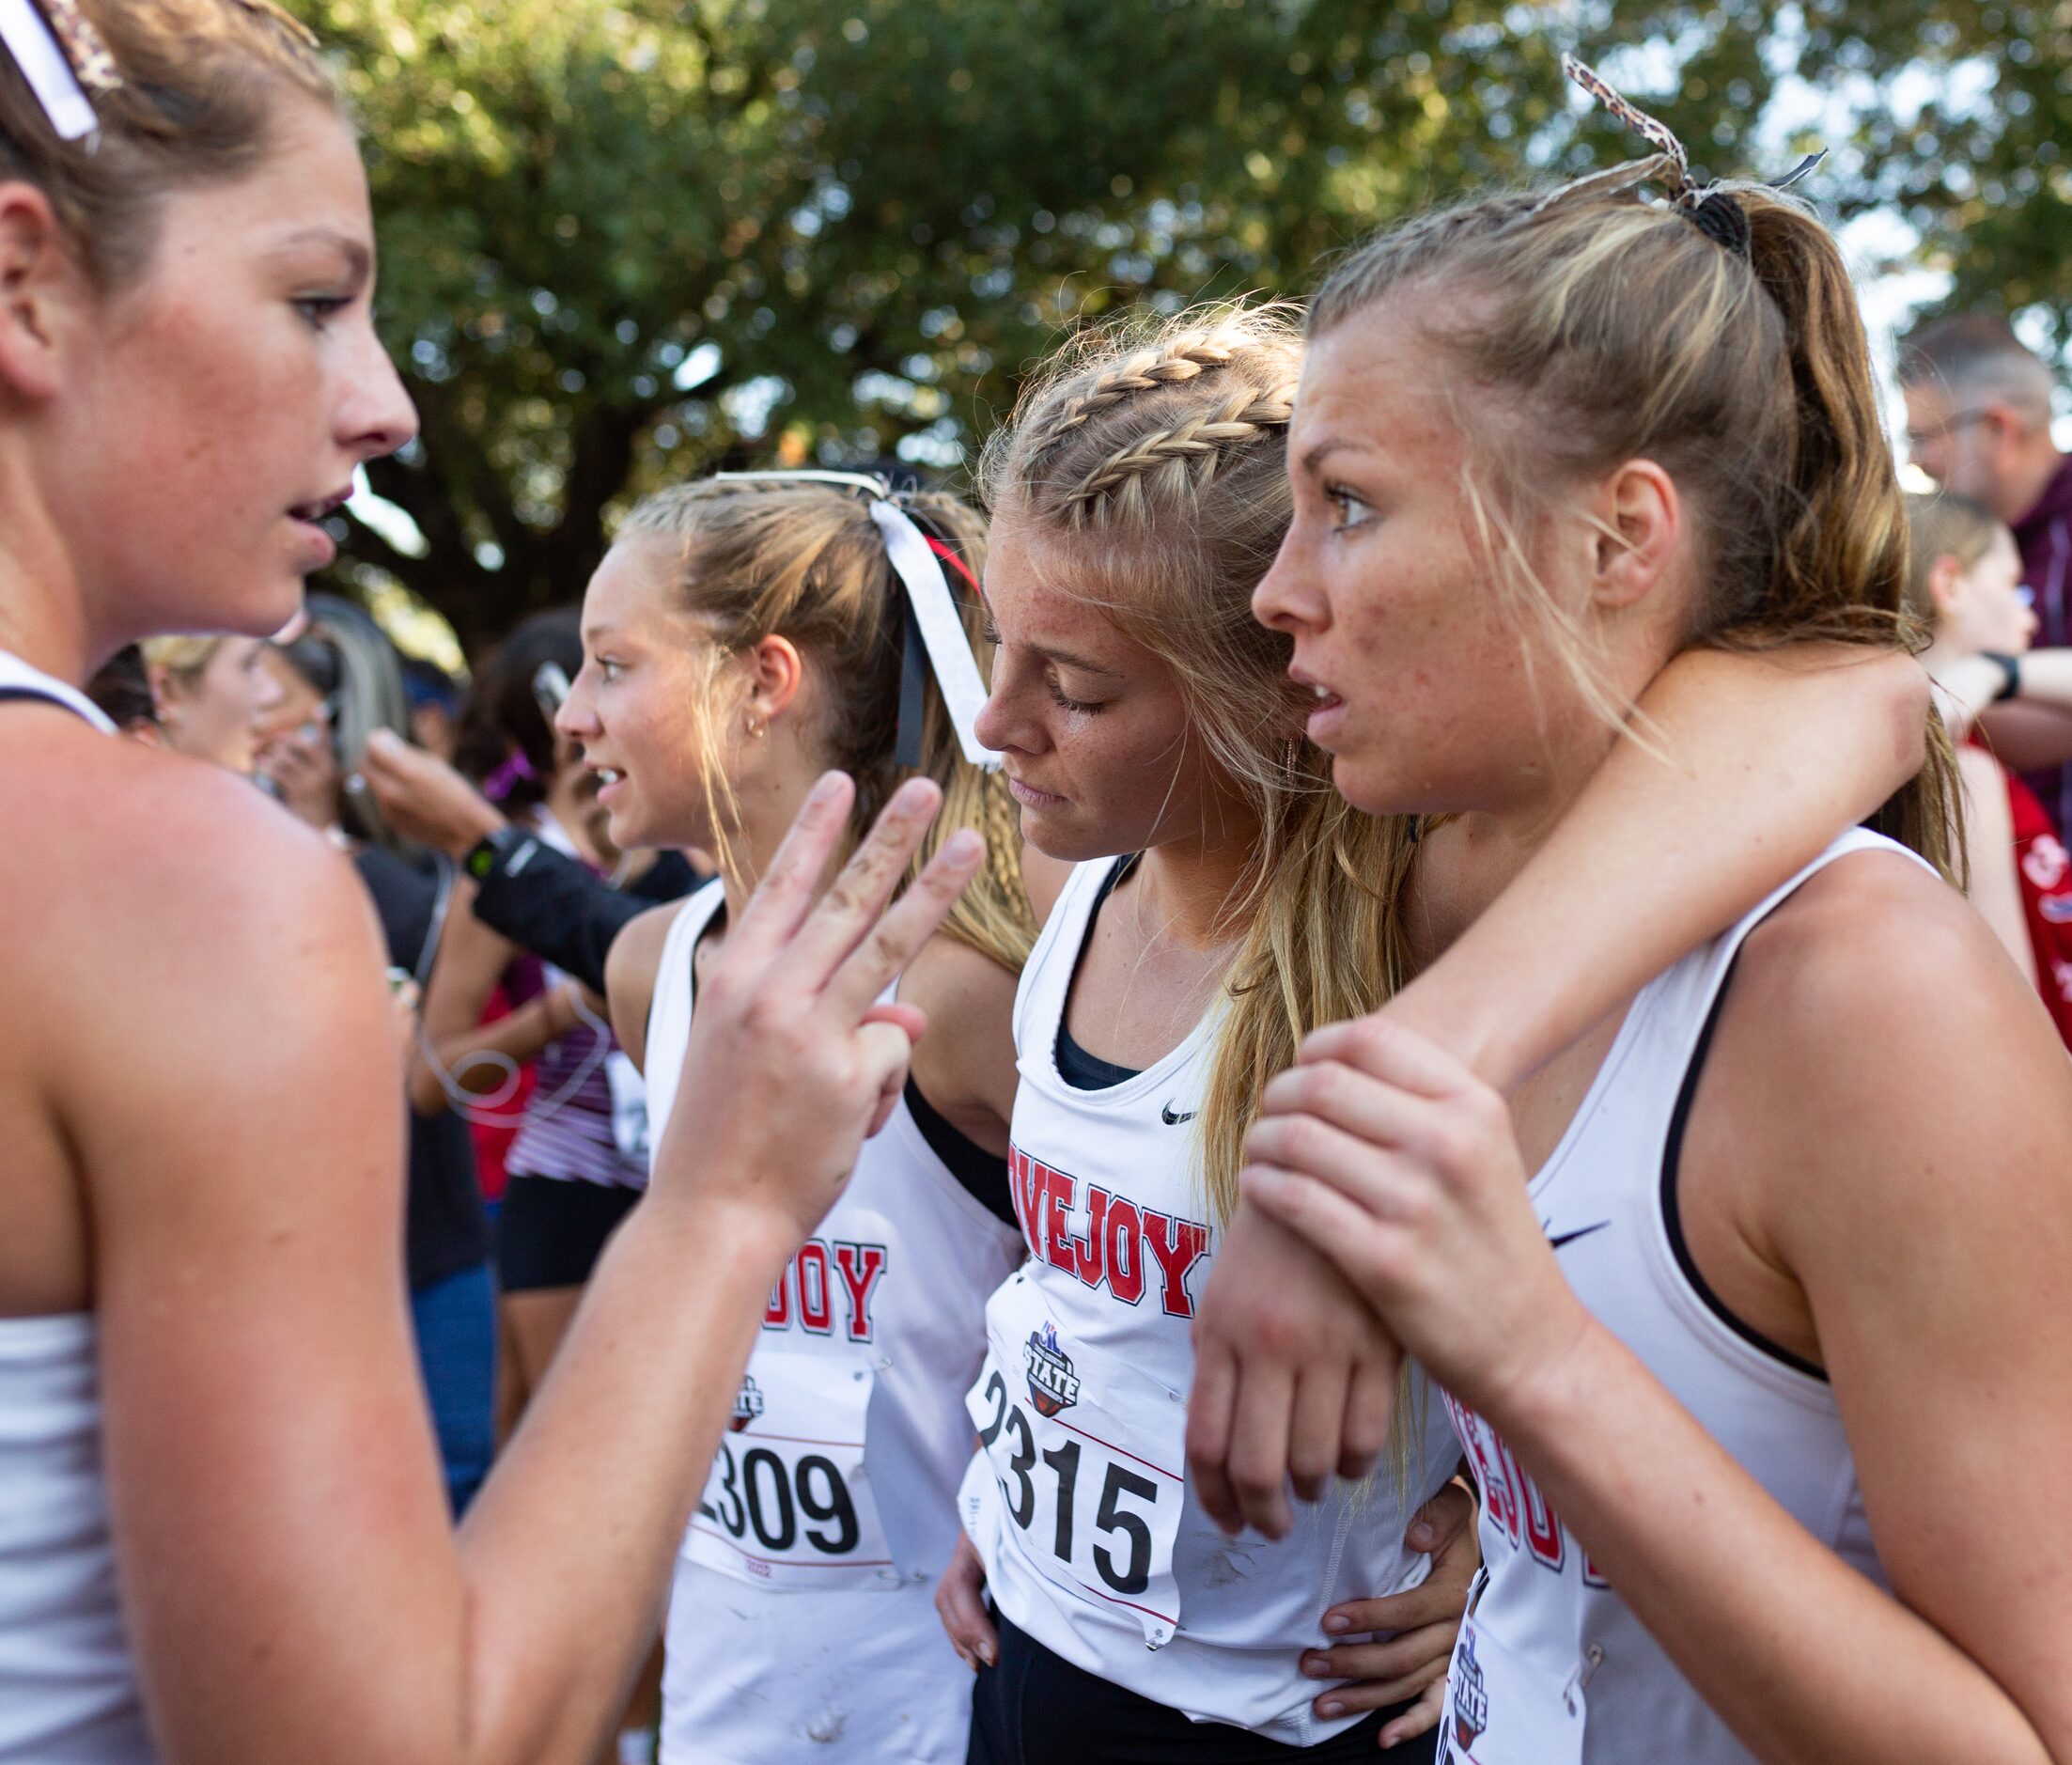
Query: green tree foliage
[[628, 241]]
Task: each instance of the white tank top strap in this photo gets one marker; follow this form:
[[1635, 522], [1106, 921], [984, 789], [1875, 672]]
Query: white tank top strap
[[19, 681], [1549, 1642], [69, 1693], [1690, 990], [1047, 976], [669, 1005]]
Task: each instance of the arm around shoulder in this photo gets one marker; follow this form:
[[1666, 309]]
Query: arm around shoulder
[[1739, 770]]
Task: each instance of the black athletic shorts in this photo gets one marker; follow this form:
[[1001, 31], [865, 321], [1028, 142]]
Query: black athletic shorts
[[1037, 1709], [551, 1230]]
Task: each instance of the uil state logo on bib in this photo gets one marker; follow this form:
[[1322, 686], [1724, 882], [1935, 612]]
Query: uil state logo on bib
[[1054, 1387], [748, 1405], [1471, 1697]]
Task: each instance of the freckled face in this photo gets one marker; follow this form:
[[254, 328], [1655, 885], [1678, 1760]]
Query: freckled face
[[227, 396], [1090, 725], [645, 661], [1429, 696]]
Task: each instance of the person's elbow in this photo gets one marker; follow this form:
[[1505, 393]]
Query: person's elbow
[[1904, 702]]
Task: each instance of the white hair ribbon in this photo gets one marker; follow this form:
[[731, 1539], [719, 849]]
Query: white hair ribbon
[[36, 51], [932, 612], [935, 631]]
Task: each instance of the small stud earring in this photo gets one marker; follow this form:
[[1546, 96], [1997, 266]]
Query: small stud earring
[[757, 729]]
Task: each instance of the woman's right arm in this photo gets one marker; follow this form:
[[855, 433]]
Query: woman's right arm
[[291, 1583], [1752, 764]]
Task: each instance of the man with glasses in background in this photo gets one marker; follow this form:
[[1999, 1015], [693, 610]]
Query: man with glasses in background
[[1978, 423]]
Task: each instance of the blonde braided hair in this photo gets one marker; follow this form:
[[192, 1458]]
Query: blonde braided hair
[[1155, 461], [1170, 465]]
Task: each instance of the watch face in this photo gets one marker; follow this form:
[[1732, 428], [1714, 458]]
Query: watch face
[[481, 861]]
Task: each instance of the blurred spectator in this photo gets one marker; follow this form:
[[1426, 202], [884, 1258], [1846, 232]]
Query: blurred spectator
[[210, 696], [344, 681], [578, 1161], [1965, 583], [544, 901], [434, 706], [122, 689], [1978, 422]]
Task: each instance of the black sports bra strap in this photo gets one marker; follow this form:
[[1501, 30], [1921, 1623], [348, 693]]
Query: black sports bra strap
[[36, 695]]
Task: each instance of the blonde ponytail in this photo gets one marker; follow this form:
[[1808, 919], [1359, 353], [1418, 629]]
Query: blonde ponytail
[[804, 559]]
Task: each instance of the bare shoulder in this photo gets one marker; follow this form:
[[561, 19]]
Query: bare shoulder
[[1878, 1051], [959, 989], [1871, 937], [965, 1064], [201, 960], [629, 970], [125, 850]]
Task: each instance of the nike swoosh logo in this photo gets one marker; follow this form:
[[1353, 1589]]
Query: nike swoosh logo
[[1581, 1231], [1171, 1120]]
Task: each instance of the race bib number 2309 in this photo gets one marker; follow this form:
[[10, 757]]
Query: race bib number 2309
[[789, 1503]]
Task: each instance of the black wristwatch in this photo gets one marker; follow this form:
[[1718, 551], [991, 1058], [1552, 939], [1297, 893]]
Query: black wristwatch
[[489, 851], [2010, 670]]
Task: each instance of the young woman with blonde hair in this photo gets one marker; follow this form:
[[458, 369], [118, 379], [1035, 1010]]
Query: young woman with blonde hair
[[1740, 1358], [223, 1535], [1226, 902], [211, 697], [1964, 584], [741, 638]]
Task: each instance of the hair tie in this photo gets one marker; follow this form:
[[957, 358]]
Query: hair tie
[[1713, 210], [1722, 220], [1655, 133], [508, 777]]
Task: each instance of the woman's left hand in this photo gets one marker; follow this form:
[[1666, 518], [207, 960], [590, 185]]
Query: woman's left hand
[[1421, 1624], [1400, 1165]]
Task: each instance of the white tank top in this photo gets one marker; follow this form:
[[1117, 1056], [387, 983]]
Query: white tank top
[[1553, 1665], [802, 1620], [1076, 1501], [19, 681], [67, 1687]]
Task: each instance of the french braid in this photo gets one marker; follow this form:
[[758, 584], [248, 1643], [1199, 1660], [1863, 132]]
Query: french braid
[[1175, 463], [1153, 464]]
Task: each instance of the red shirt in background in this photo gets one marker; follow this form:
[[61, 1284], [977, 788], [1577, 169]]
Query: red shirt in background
[[493, 1137], [2043, 870]]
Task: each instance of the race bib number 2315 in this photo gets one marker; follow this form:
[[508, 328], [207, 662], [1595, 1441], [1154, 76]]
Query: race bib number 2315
[[1086, 1453]]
